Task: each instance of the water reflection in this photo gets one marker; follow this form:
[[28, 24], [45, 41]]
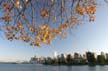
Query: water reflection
[[92, 68], [69, 68], [34, 67]]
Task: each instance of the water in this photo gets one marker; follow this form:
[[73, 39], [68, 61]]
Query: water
[[34, 67]]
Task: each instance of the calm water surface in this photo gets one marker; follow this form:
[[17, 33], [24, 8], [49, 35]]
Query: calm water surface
[[35, 67]]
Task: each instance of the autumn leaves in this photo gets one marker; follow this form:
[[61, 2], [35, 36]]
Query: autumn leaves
[[89, 9], [22, 19]]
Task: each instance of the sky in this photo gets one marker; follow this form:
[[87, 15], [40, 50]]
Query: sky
[[87, 37]]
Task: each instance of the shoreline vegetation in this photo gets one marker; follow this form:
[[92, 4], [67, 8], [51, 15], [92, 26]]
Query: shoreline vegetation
[[79, 64], [89, 64], [75, 64], [57, 64]]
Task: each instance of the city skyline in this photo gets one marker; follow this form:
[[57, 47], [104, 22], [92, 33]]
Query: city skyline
[[89, 58], [54, 55], [87, 37]]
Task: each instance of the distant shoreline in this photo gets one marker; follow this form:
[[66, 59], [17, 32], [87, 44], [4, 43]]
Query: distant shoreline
[[76, 64], [61, 64]]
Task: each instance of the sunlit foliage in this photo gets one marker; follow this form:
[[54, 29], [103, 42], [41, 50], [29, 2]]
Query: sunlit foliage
[[40, 21]]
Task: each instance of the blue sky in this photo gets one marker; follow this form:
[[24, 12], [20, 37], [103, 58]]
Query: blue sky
[[87, 37]]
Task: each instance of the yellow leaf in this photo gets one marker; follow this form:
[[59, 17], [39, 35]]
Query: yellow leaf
[[63, 35], [49, 41], [17, 3], [44, 40], [37, 44], [54, 18]]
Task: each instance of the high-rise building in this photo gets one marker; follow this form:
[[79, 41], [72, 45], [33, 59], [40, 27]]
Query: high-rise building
[[95, 55], [55, 54], [90, 57], [107, 56], [103, 54], [76, 55], [84, 57]]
